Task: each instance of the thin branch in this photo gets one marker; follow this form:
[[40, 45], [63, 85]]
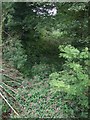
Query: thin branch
[[9, 95], [7, 33], [4, 90], [10, 88], [10, 77], [9, 105], [13, 82]]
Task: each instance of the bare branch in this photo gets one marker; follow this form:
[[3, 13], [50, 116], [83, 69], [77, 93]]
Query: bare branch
[[9, 105]]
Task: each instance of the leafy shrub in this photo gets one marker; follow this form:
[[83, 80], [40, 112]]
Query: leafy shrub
[[42, 70], [73, 80], [14, 53]]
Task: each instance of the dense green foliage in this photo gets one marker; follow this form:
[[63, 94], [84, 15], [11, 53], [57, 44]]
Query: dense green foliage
[[14, 53], [73, 79], [46, 59]]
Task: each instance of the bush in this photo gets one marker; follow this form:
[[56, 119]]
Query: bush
[[14, 53], [73, 80], [42, 70]]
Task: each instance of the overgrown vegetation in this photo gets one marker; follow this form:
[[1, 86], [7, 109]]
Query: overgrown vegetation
[[46, 59], [73, 80]]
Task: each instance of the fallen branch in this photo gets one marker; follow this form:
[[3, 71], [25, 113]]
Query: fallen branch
[[9, 105], [11, 77], [10, 88], [9, 95]]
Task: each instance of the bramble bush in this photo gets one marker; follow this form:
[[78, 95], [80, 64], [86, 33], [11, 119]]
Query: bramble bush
[[73, 81]]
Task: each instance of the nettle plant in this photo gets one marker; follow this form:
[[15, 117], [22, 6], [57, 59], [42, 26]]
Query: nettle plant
[[73, 80]]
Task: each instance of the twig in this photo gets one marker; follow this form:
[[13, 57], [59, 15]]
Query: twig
[[11, 77], [10, 88], [6, 33], [11, 81], [9, 95], [9, 105]]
